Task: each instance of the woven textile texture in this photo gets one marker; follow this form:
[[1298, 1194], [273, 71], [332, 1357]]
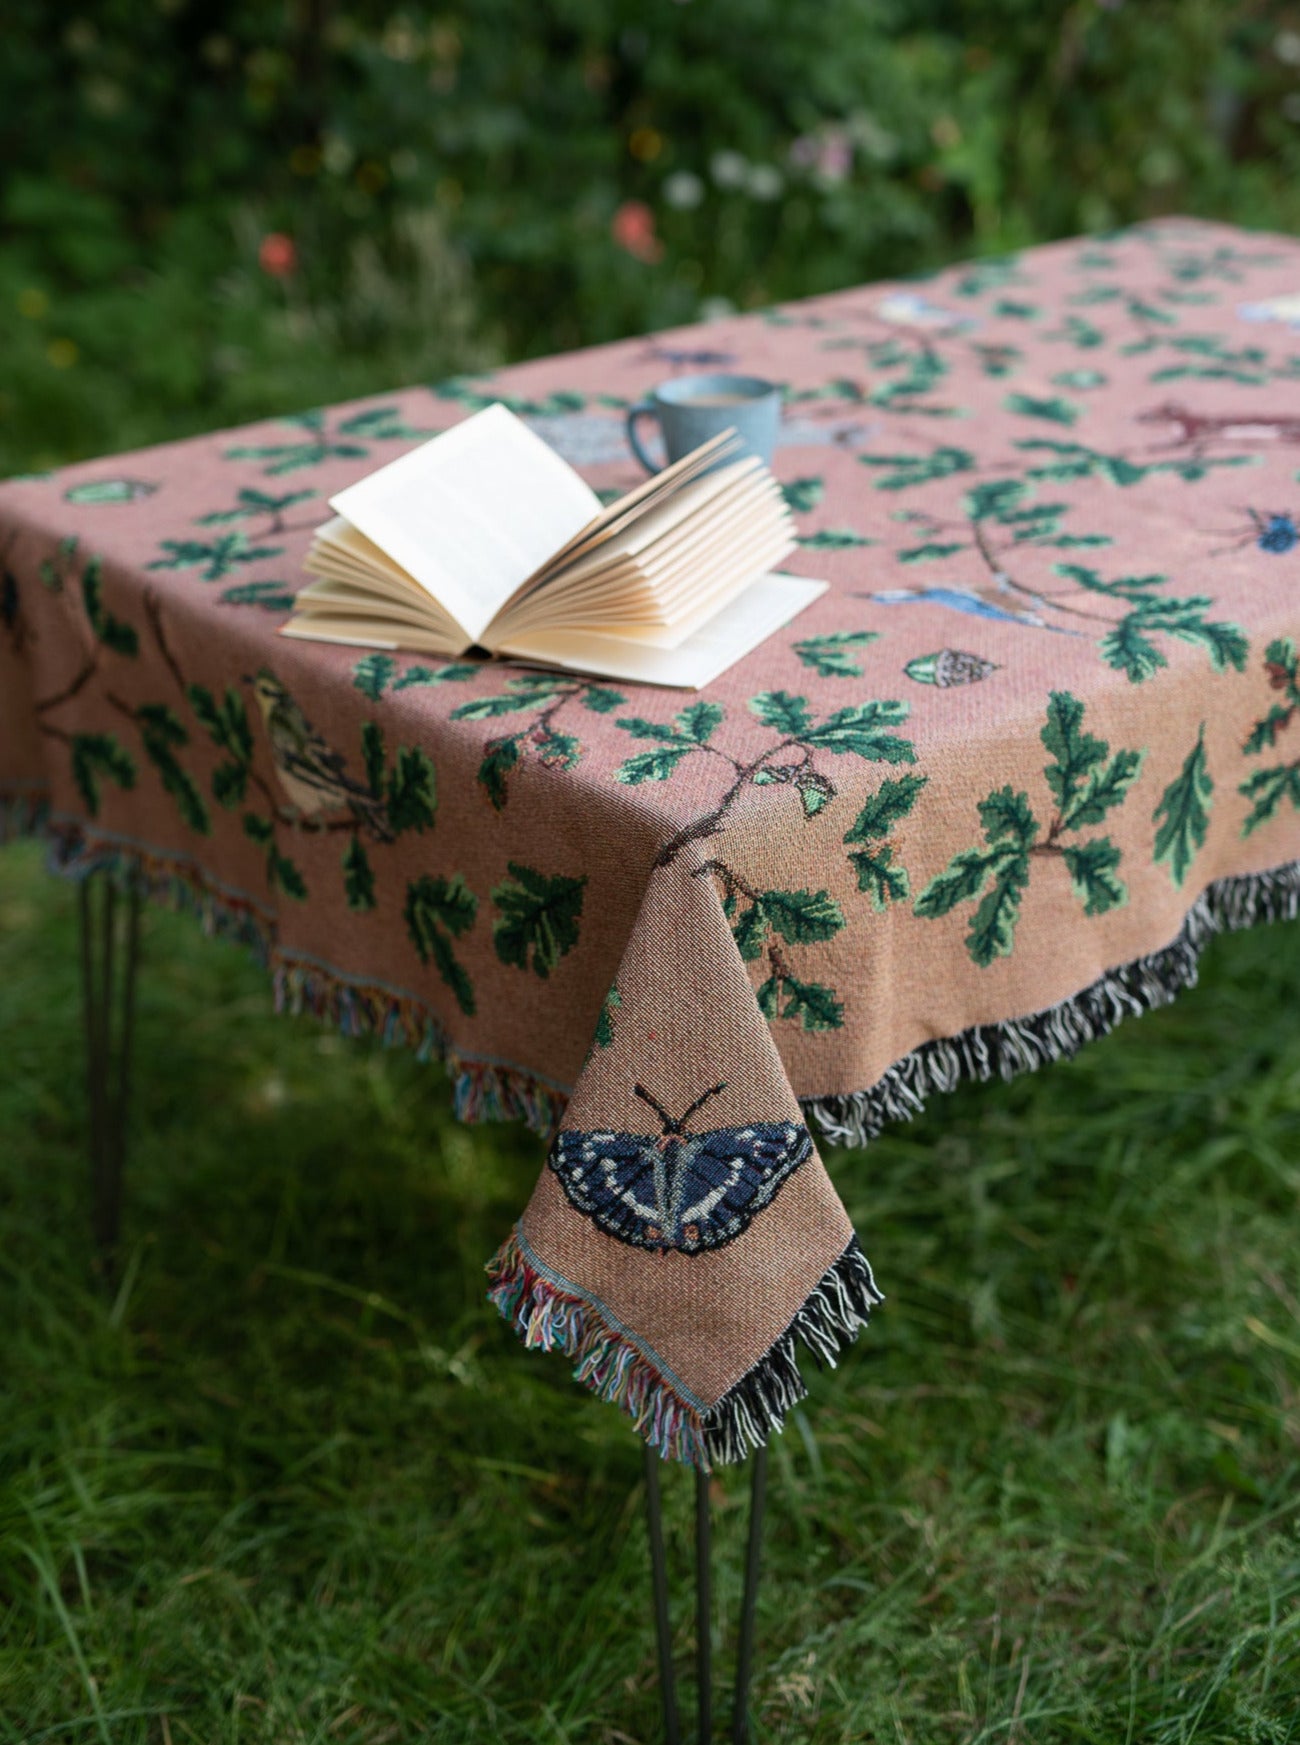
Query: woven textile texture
[[986, 798]]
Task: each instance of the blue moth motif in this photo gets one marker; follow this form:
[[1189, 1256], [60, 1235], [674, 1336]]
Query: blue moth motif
[[674, 1189]]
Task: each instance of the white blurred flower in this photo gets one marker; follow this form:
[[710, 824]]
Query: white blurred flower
[[683, 190], [764, 182], [728, 169], [716, 308], [875, 141], [1286, 46]]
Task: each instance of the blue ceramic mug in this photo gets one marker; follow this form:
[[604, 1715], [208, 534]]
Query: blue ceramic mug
[[691, 409]]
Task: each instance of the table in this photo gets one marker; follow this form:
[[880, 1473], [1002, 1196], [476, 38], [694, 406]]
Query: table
[[983, 801]]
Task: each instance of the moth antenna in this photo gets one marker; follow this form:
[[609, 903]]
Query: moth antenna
[[664, 1116], [700, 1102]]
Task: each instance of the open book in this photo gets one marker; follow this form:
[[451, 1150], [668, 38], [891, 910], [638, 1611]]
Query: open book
[[483, 537]]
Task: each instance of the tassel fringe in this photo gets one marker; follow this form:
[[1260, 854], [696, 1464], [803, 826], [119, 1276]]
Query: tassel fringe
[[481, 1090], [549, 1318], [1007, 1049]]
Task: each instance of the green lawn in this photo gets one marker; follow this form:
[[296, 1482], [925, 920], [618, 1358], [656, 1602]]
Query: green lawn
[[295, 1482]]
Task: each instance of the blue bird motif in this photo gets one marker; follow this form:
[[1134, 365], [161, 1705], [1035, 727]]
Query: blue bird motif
[[968, 601], [678, 1190], [1273, 531]]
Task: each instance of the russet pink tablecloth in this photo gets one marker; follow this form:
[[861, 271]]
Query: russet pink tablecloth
[[983, 800]]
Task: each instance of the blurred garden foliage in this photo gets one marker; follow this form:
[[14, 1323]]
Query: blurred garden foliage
[[211, 211]]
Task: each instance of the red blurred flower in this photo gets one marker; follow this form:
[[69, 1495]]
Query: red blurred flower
[[633, 229], [277, 254]]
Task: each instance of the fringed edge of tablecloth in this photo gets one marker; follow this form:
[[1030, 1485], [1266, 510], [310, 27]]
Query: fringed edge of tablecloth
[[548, 1316], [1021, 1045], [481, 1090]]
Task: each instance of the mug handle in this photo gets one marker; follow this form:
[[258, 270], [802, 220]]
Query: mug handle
[[642, 410]]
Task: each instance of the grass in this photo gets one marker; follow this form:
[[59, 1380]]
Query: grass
[[293, 1484]]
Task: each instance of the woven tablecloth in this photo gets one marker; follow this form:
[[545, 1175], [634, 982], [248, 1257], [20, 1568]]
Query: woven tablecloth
[[984, 799]]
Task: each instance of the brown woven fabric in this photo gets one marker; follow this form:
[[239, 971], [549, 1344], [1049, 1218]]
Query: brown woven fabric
[[987, 797]]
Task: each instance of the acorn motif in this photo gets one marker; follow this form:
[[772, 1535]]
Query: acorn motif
[[949, 666], [109, 491]]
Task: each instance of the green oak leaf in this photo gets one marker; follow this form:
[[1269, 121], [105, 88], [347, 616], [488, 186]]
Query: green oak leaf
[[412, 791], [230, 784], [993, 925], [962, 879], [250, 502], [812, 1003], [1007, 818], [373, 674], [358, 877], [1183, 814], [860, 730], [801, 495], [215, 558], [112, 632], [283, 874], [651, 766], [782, 712], [931, 549], [500, 757], [834, 539], [270, 596], [993, 498], [373, 756], [162, 734], [892, 801], [456, 673], [1075, 752], [1091, 866], [96, 757], [908, 470], [601, 700], [1267, 789], [884, 879], [830, 657], [226, 722], [1056, 409], [879, 876], [435, 908], [538, 917], [699, 721], [802, 917]]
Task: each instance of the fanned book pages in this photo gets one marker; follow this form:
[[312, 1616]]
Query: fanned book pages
[[484, 538]]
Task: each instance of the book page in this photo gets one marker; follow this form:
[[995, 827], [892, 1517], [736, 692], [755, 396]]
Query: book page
[[368, 633], [639, 501], [769, 603], [473, 513]]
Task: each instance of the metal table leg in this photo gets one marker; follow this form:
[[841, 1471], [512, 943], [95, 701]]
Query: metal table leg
[[110, 946], [659, 1579], [703, 1603], [749, 1607]]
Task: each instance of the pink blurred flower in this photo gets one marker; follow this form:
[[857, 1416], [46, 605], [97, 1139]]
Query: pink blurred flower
[[633, 229], [277, 254], [835, 159]]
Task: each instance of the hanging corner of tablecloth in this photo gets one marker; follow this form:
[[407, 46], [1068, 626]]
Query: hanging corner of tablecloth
[[551, 1313]]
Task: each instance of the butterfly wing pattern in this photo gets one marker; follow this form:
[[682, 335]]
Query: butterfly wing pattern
[[686, 1191]]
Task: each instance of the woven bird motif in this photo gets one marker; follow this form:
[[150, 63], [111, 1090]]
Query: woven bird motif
[[311, 772], [675, 1189]]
